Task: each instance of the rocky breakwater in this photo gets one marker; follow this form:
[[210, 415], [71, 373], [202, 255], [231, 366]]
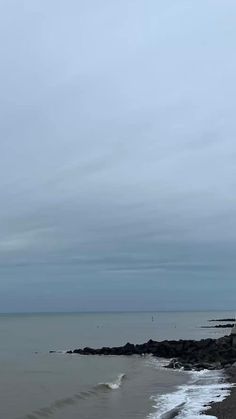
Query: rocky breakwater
[[186, 354]]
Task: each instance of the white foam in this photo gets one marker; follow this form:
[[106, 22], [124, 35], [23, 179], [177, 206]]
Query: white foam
[[115, 384], [157, 362], [195, 397]]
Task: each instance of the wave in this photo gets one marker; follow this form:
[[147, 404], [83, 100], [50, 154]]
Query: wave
[[59, 404], [50, 410], [191, 400], [115, 384]]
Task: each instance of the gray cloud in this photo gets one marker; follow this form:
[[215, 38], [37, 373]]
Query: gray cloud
[[117, 154]]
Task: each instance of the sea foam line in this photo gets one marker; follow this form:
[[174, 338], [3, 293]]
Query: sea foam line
[[191, 400]]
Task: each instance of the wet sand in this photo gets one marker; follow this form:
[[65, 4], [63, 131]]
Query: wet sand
[[227, 408]]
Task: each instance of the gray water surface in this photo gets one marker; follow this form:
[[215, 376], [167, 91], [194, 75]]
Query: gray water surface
[[35, 384]]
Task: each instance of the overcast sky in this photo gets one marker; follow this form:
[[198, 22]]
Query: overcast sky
[[117, 155]]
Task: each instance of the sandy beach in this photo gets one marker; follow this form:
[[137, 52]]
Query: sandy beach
[[227, 408]]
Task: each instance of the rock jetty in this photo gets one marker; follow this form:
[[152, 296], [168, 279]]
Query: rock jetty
[[219, 326], [186, 354]]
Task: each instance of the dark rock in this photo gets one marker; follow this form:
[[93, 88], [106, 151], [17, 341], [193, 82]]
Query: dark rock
[[188, 367], [219, 326], [186, 354], [222, 320]]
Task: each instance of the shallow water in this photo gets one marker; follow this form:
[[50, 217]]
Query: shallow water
[[191, 400], [36, 384]]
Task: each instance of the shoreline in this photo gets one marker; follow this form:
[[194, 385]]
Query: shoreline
[[207, 354], [194, 398], [225, 409]]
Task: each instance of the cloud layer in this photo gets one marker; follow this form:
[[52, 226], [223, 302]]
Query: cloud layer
[[117, 155]]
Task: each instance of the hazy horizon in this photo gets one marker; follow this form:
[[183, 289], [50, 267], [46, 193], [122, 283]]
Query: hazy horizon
[[113, 312]]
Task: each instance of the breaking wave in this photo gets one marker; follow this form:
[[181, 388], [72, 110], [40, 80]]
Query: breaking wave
[[115, 384], [59, 404], [191, 400]]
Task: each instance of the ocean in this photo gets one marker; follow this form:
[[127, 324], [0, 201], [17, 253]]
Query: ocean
[[36, 384]]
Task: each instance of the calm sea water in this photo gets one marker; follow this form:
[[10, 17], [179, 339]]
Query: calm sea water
[[35, 384]]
